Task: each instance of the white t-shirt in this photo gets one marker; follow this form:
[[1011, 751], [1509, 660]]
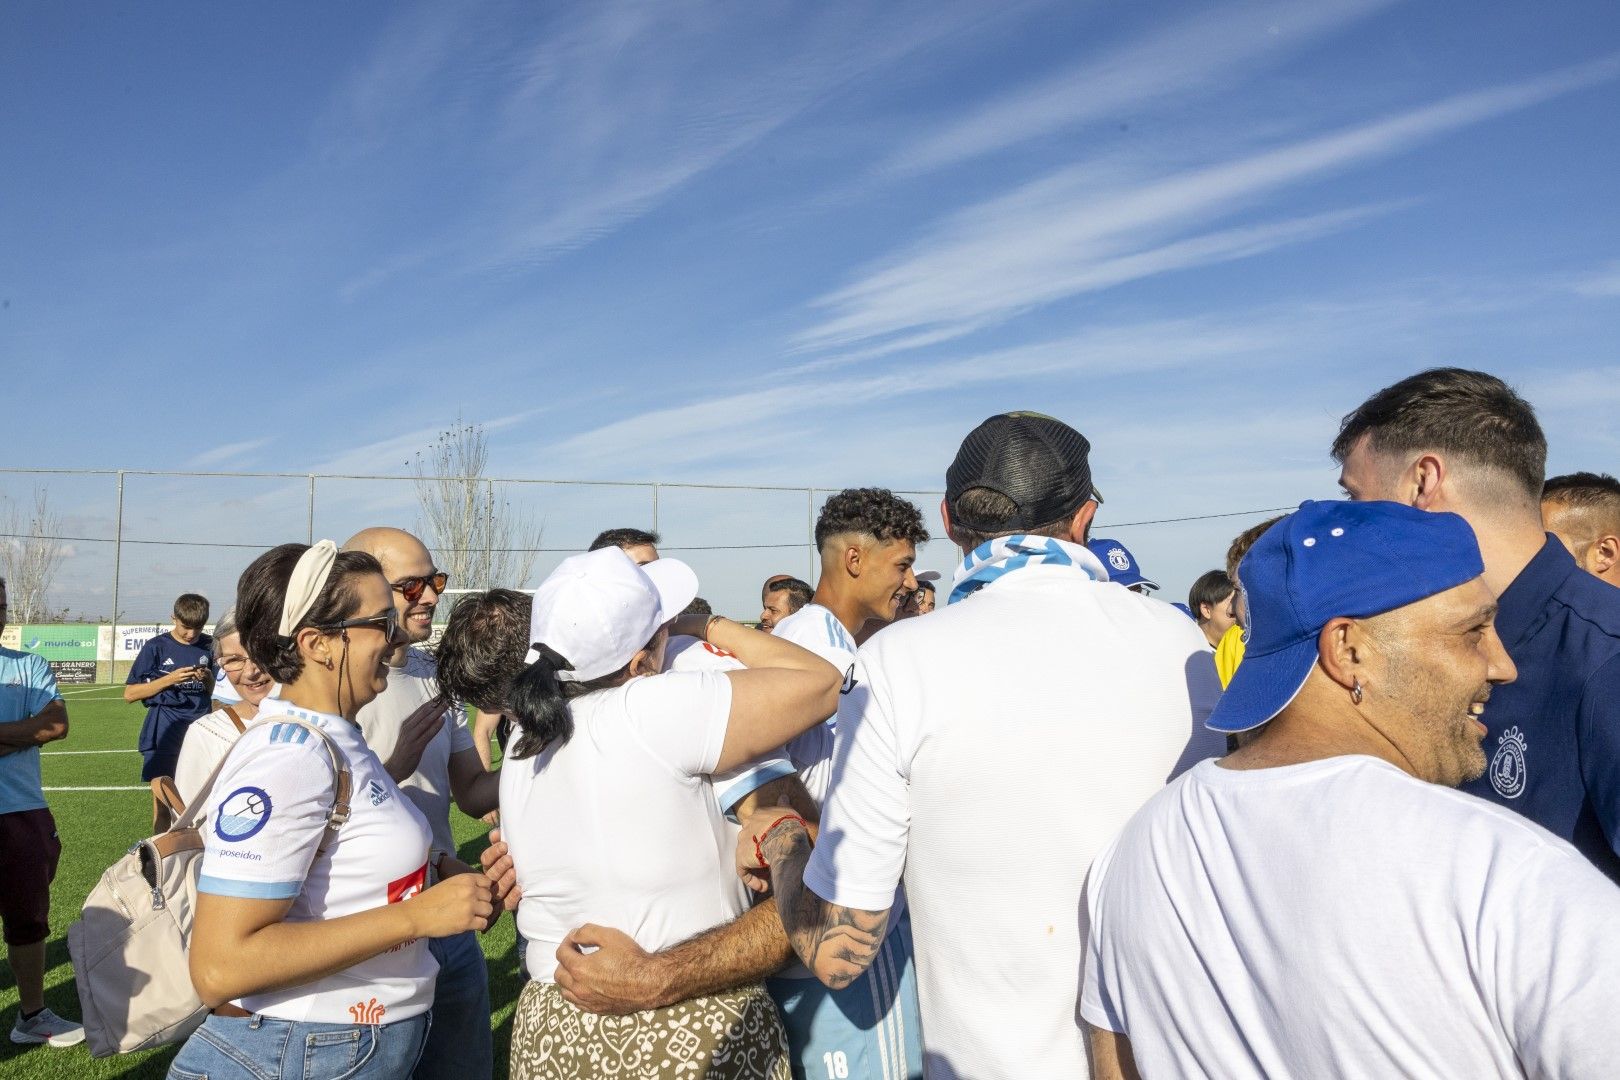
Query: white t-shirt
[[620, 826], [410, 686], [684, 653], [815, 628], [989, 751], [265, 819], [1341, 918], [207, 740]]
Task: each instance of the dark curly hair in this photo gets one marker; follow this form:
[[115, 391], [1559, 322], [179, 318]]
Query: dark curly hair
[[875, 512], [482, 649], [262, 589]]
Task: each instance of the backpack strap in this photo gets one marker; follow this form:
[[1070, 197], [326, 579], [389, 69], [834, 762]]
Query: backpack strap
[[235, 719]]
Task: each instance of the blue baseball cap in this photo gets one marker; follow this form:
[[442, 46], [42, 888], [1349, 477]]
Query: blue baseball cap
[[1120, 562], [1325, 561]]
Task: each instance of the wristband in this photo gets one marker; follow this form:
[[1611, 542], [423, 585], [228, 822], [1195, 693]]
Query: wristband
[[760, 854]]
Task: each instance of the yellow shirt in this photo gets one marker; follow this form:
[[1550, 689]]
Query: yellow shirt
[[1229, 654]]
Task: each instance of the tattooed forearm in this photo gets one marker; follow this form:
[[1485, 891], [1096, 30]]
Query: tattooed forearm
[[837, 943]]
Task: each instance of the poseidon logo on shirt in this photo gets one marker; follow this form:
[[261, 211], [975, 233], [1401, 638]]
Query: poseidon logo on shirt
[[1508, 767], [243, 813]]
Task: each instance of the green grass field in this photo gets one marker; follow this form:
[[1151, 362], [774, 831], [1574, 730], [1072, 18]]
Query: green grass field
[[96, 827]]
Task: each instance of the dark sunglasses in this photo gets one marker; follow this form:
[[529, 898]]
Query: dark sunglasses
[[412, 588], [388, 623]]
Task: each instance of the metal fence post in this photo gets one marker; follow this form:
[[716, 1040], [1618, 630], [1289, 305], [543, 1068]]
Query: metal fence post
[[118, 560], [311, 518], [655, 488], [810, 533]]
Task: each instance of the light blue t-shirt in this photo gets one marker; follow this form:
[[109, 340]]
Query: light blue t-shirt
[[27, 685]]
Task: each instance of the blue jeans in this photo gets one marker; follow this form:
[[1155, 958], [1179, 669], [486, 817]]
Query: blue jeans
[[460, 1044], [264, 1048]]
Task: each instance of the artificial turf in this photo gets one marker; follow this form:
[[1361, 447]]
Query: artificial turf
[[97, 827]]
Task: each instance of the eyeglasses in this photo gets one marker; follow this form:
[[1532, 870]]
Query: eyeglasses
[[412, 588], [388, 623], [233, 663]]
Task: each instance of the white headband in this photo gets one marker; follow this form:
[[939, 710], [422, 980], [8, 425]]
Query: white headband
[[308, 579]]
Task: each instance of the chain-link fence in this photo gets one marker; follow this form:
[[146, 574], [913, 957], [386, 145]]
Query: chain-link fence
[[132, 540]]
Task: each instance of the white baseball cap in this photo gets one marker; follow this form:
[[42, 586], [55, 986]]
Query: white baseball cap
[[599, 609]]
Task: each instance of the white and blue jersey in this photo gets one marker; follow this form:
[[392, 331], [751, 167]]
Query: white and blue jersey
[[262, 830], [872, 1027]]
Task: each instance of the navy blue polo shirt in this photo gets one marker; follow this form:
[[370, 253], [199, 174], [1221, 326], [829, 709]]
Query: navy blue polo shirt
[[1553, 739]]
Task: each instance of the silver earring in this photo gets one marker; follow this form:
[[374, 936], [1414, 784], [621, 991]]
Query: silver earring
[[1355, 691]]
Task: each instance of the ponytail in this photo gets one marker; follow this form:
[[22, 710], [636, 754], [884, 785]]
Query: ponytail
[[539, 704]]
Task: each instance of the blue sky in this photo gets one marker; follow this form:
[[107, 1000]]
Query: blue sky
[[786, 244]]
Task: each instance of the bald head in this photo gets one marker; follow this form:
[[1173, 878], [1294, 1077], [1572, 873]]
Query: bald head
[[408, 566]]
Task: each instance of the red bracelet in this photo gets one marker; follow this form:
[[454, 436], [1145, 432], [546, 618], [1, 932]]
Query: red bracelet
[[759, 854]]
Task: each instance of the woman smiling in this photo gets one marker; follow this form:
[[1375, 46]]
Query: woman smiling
[[311, 915]]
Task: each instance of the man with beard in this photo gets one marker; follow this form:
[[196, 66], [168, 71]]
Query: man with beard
[[429, 752], [1319, 903]]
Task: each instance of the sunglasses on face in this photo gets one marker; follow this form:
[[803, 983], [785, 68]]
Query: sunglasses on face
[[388, 623], [412, 588]]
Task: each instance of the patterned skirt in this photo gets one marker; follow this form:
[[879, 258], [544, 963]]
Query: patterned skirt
[[737, 1035]]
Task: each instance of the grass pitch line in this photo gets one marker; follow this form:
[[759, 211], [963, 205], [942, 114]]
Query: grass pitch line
[[120, 788]]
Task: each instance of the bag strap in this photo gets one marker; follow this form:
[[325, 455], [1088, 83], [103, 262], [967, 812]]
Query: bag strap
[[237, 720], [342, 789]]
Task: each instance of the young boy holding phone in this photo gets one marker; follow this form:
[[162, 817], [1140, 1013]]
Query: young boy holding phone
[[174, 675]]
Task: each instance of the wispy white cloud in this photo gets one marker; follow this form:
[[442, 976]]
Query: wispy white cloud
[[1225, 42], [226, 453], [1074, 231], [1605, 282]]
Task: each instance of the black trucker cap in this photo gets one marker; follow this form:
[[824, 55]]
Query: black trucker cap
[[1040, 463]]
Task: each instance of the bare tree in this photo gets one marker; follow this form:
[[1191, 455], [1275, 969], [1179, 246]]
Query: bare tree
[[476, 536], [30, 555]]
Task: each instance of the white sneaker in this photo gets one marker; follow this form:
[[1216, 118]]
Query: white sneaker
[[48, 1028]]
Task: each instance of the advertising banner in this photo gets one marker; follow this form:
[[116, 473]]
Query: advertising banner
[[73, 672], [58, 641], [11, 638], [128, 639]]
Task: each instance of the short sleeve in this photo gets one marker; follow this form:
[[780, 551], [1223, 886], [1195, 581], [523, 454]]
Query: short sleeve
[[1552, 961], [866, 819], [266, 814], [1097, 1006], [732, 787], [144, 669], [681, 717], [1598, 724], [41, 686], [461, 736]]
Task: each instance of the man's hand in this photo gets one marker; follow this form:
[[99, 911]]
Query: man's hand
[[755, 873], [619, 977], [417, 730], [498, 867]]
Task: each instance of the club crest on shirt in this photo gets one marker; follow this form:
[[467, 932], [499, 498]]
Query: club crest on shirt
[[1508, 767], [242, 814]]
